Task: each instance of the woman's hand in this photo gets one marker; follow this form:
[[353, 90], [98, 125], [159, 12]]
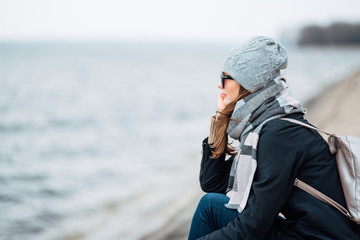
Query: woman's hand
[[220, 103]]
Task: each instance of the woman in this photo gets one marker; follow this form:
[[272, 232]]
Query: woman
[[247, 192]]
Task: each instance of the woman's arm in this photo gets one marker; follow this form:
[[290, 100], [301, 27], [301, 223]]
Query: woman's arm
[[214, 173], [278, 163]]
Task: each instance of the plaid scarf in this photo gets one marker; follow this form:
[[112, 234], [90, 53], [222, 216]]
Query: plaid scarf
[[250, 114]]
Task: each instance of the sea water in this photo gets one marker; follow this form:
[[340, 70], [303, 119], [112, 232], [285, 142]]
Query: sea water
[[103, 140]]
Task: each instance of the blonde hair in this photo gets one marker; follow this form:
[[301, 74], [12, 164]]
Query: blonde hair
[[221, 144]]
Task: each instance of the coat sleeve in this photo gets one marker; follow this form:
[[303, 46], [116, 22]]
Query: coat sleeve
[[214, 173], [278, 162]]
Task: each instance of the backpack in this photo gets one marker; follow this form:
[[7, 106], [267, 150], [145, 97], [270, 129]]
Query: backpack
[[347, 150]]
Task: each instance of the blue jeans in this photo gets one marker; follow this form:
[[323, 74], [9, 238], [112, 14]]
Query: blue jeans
[[211, 215]]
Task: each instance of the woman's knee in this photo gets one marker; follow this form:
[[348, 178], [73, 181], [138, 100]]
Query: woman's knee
[[212, 212], [210, 200]]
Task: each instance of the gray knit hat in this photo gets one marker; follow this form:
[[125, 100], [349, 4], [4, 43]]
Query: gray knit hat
[[256, 62]]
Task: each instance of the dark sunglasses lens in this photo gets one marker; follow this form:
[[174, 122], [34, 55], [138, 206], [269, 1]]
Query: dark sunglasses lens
[[222, 81]]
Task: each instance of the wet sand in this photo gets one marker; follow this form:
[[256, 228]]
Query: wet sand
[[336, 110]]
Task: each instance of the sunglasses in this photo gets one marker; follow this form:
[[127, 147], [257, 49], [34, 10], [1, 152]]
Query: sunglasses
[[223, 77]]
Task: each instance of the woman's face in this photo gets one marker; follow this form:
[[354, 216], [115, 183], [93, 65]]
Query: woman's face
[[230, 91]]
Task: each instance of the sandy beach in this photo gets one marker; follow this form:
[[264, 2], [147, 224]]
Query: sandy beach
[[335, 110]]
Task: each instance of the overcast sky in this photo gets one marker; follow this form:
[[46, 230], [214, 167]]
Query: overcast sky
[[178, 20]]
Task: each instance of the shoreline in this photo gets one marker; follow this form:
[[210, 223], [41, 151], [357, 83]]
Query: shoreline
[[335, 109]]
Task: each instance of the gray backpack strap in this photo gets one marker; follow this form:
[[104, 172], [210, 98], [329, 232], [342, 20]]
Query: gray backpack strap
[[306, 125], [331, 138], [322, 197]]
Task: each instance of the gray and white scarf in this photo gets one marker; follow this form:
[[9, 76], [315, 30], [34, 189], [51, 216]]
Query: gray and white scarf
[[250, 114]]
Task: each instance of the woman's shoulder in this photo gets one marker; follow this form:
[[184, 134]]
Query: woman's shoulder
[[285, 132], [279, 138], [280, 124]]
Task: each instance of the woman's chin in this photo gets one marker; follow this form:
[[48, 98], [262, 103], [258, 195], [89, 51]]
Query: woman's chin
[[228, 100]]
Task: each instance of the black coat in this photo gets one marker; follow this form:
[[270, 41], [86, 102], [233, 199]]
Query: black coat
[[285, 151]]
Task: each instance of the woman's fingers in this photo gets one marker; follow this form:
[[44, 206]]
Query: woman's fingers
[[221, 104]]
